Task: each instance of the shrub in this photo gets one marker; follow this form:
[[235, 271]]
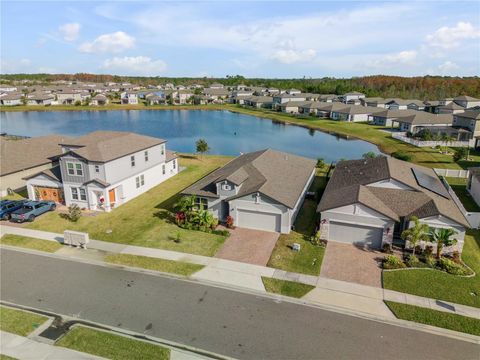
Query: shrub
[[221, 232], [428, 250], [315, 239], [180, 218], [451, 267], [392, 262], [456, 257], [418, 249], [431, 261], [402, 155], [387, 248], [214, 224], [229, 222], [78, 103], [459, 154], [413, 261], [74, 213]]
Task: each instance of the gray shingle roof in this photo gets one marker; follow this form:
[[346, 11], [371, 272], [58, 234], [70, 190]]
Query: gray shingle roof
[[278, 175], [350, 184]]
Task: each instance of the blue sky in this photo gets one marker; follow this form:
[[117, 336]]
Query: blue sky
[[250, 38]]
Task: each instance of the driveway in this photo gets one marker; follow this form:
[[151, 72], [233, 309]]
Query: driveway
[[347, 262], [249, 246]]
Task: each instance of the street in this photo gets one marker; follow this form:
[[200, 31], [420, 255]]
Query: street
[[219, 320]]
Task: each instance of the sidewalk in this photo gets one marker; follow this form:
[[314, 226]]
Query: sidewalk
[[360, 299]]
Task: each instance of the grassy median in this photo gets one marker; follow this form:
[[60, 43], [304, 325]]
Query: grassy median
[[30, 243], [19, 322], [287, 288], [111, 346]]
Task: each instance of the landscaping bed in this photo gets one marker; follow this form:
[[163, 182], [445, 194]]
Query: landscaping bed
[[435, 318], [148, 220], [30, 243], [111, 346], [19, 322], [287, 288]]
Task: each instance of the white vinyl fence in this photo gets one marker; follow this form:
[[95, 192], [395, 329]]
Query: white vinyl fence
[[452, 173], [420, 143]]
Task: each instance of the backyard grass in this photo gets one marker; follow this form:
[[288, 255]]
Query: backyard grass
[[5, 357], [145, 262], [309, 259], [287, 288], [19, 322], [148, 219], [459, 185], [440, 285], [30, 243], [435, 318], [111, 346]]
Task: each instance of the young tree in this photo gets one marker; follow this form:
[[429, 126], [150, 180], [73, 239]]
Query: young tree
[[459, 154], [443, 237], [320, 163], [418, 232], [202, 146], [369, 155]]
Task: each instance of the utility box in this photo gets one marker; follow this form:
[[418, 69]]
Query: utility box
[[75, 238], [296, 247]]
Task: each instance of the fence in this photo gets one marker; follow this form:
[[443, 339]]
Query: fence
[[452, 173], [421, 143]]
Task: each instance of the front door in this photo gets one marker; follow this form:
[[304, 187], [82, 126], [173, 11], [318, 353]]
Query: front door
[[225, 210], [111, 196]]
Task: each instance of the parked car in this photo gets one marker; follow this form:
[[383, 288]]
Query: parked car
[[30, 210], [9, 206]]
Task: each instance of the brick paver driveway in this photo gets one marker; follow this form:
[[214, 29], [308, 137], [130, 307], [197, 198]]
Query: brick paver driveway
[[347, 262], [249, 246]]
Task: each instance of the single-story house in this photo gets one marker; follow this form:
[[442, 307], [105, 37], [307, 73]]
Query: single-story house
[[388, 117], [11, 99], [259, 101], [21, 158], [450, 108], [292, 107], [375, 102], [421, 120], [354, 113], [401, 104], [369, 202], [261, 190], [327, 98], [38, 98], [325, 110], [99, 100]]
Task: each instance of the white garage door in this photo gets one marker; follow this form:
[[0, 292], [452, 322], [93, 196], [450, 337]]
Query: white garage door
[[258, 220], [355, 234]]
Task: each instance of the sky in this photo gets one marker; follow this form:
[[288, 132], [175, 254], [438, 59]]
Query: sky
[[274, 39]]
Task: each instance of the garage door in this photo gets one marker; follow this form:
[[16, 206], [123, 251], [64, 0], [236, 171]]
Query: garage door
[[349, 233], [258, 220]]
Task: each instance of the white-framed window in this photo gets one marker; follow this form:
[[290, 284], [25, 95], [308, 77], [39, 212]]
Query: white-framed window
[[132, 160], [139, 181], [79, 169], [162, 149], [163, 169], [97, 168], [142, 180], [74, 193], [174, 163], [201, 203], [79, 194], [83, 194], [75, 169], [70, 168], [226, 187], [146, 156]]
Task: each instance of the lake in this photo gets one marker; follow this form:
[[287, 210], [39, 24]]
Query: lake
[[226, 132]]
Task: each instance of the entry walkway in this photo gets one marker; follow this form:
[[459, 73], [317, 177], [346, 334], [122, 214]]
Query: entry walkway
[[355, 298]]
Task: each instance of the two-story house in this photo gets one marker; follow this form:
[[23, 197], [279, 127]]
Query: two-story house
[[469, 120], [130, 98], [262, 190], [104, 169]]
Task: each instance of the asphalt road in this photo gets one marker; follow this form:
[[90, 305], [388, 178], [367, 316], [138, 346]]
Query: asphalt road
[[218, 320]]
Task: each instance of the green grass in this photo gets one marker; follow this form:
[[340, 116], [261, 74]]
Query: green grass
[[16, 196], [435, 318], [19, 322], [145, 262], [459, 185], [309, 259], [30, 243], [111, 346], [5, 357], [287, 288], [148, 219], [440, 285]]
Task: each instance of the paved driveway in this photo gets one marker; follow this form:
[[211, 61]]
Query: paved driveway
[[347, 262], [249, 246]]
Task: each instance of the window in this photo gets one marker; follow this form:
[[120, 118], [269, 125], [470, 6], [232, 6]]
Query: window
[[79, 169], [140, 181], [174, 164], [201, 203], [70, 169], [79, 194], [163, 169], [146, 156], [132, 160], [97, 168], [74, 169], [83, 194], [163, 149], [74, 193]]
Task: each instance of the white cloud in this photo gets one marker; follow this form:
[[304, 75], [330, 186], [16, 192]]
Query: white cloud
[[451, 37], [109, 43], [447, 67], [134, 65], [290, 56], [70, 31], [406, 57]]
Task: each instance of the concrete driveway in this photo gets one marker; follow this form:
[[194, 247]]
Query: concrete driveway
[[350, 263], [249, 246]]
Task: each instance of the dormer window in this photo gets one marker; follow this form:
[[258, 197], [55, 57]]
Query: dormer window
[[226, 187]]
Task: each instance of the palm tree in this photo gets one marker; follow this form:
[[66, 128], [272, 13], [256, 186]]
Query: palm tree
[[186, 203], [418, 232], [443, 237]]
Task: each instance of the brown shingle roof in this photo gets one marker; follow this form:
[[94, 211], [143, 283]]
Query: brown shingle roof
[[103, 146], [278, 175], [17, 155]]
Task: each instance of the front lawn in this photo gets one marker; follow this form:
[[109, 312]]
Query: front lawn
[[30, 243], [148, 220], [19, 322], [111, 346], [435, 318], [145, 262], [440, 285], [459, 185], [287, 288], [309, 259]]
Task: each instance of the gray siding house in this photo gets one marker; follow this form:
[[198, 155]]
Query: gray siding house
[[261, 190]]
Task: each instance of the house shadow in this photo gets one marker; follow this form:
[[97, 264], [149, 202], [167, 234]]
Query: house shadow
[[165, 215]]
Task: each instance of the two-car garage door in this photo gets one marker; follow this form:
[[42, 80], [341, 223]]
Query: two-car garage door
[[258, 220], [355, 234]]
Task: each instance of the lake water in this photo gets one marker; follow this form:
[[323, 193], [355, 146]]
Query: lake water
[[226, 132]]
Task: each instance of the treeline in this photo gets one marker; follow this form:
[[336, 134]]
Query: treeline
[[421, 87]]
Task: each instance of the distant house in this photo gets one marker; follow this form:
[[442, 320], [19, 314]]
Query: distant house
[[401, 104], [327, 98], [216, 94], [130, 98], [259, 101], [103, 170], [375, 102], [387, 117], [470, 120], [352, 98], [216, 86], [354, 113], [466, 101], [69, 97], [8, 88], [99, 100], [21, 158], [38, 98], [11, 99], [292, 107], [423, 120], [325, 110], [369, 202], [310, 107], [261, 190], [183, 97], [278, 100]]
